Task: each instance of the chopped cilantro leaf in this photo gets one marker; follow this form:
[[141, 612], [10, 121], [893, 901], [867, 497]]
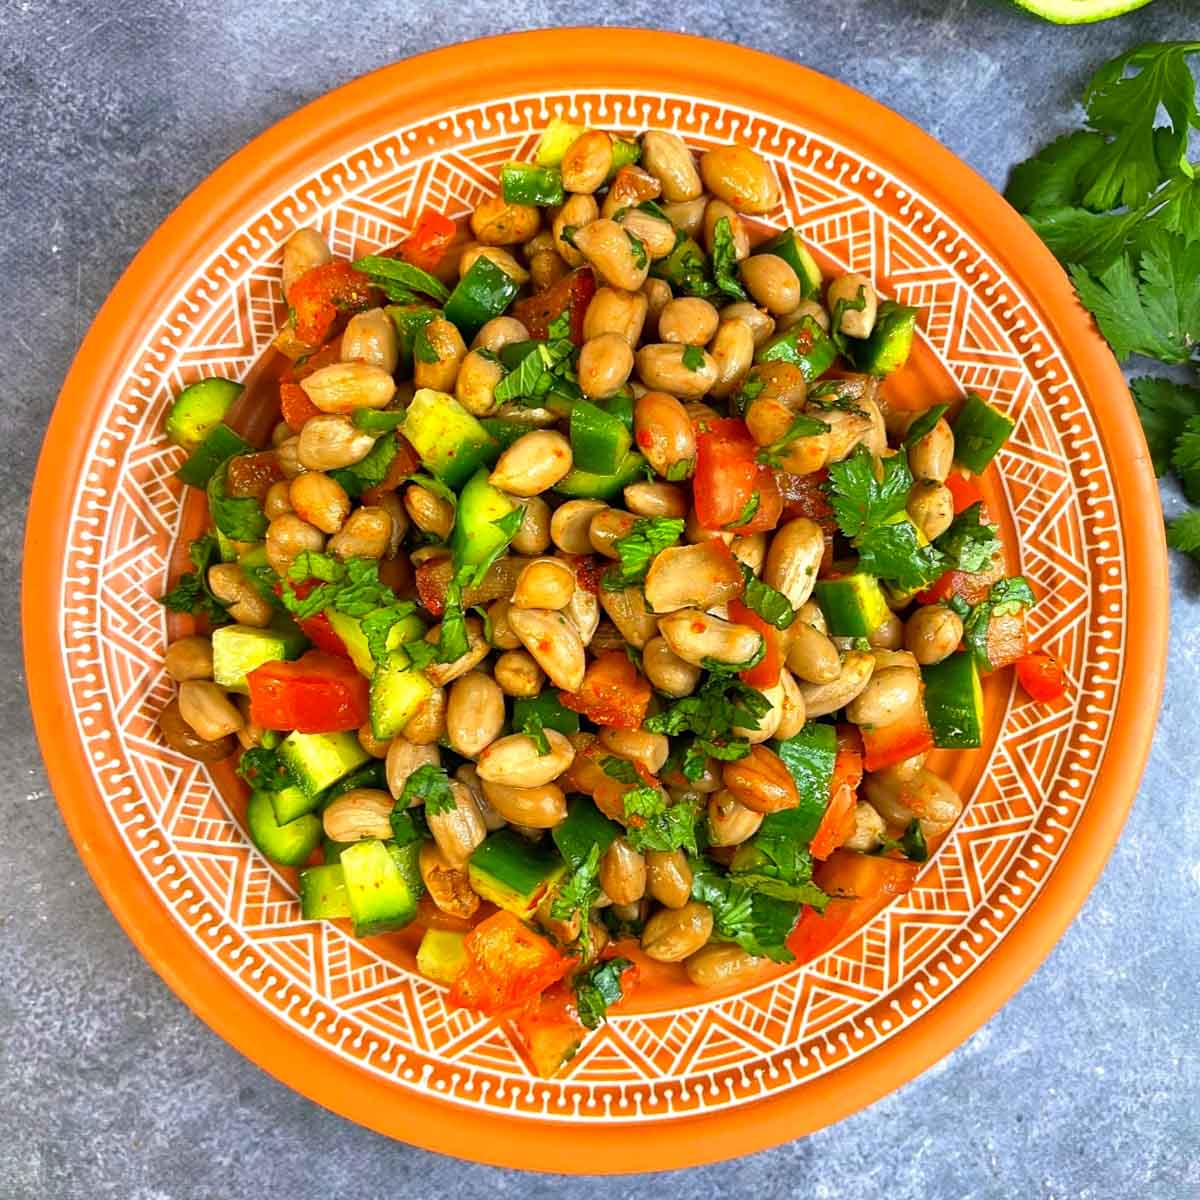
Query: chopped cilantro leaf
[[801, 427], [638, 250], [578, 893], [191, 593], [693, 358], [429, 784], [911, 843], [638, 549], [724, 260], [653, 825], [752, 387], [747, 514], [722, 703], [859, 499], [533, 727], [968, 545], [264, 770], [394, 274], [560, 327], [759, 923], [546, 367]]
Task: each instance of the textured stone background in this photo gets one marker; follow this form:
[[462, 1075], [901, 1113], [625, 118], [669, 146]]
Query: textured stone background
[[1083, 1086]]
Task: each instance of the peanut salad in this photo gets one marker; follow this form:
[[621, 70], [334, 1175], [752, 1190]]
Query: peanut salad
[[594, 604]]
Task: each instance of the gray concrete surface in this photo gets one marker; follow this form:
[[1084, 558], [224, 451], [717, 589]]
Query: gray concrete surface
[[1084, 1085]]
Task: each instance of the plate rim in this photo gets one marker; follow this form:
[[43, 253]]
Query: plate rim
[[604, 57]]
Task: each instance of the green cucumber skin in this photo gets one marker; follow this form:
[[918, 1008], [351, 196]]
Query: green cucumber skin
[[599, 440], [219, 445], [957, 723], [891, 341], [288, 845], [380, 897], [979, 433], [319, 760], [484, 292], [198, 409], [480, 506], [586, 485], [813, 361]]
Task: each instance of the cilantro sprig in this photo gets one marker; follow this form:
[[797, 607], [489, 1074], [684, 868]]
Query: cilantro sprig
[[870, 510], [1118, 203]]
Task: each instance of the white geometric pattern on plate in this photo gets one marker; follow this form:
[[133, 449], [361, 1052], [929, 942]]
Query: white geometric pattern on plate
[[645, 1066]]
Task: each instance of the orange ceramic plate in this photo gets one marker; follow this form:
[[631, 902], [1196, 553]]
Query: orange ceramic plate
[[683, 1079]]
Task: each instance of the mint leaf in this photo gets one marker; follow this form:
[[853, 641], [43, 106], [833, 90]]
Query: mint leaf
[[396, 275], [773, 606]]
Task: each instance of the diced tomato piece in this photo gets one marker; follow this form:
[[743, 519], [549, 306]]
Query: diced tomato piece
[[253, 474], [551, 1030], [972, 587], [572, 293], [614, 692], [965, 490], [770, 505], [1007, 639], [862, 885], [1042, 677], [321, 293], [766, 673], [318, 693], [319, 631], [507, 964], [837, 825], [849, 875], [727, 473], [889, 744], [295, 406], [429, 240], [849, 741]]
